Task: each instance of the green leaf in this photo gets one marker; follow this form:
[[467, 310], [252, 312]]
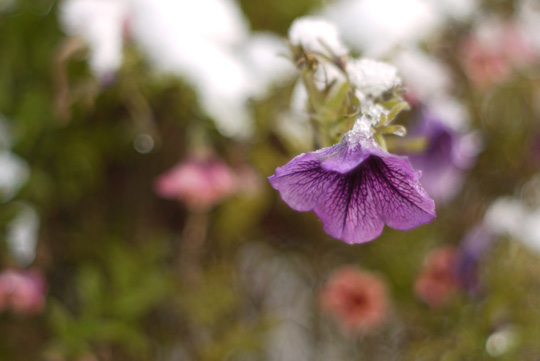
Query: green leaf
[[337, 96], [398, 130], [91, 290], [396, 109], [59, 317]]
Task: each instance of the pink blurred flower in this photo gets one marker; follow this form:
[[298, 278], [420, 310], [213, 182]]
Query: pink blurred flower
[[357, 299], [199, 183], [22, 291], [517, 46], [438, 278], [484, 66], [493, 53]]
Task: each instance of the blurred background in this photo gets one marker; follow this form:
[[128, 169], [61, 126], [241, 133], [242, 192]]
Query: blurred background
[[137, 223]]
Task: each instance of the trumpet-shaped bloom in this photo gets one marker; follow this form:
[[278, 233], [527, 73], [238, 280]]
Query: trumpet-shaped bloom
[[355, 187]]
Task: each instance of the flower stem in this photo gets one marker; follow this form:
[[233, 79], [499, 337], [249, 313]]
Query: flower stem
[[193, 238]]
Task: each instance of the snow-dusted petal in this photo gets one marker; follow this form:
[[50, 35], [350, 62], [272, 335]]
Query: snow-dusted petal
[[372, 77], [219, 21], [316, 35], [354, 205], [375, 27], [101, 24], [201, 41]]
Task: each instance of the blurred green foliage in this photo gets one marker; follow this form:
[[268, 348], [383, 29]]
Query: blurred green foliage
[[108, 245]]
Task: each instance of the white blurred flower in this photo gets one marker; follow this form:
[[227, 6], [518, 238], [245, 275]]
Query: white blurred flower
[[375, 27], [458, 9], [286, 295], [22, 234], [263, 58], [218, 21], [502, 341], [316, 35], [428, 82], [529, 17], [372, 77], [506, 215], [200, 41], [101, 24], [425, 77], [512, 217], [530, 235], [14, 173], [450, 111]]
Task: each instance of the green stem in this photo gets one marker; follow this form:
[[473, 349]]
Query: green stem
[[193, 238]]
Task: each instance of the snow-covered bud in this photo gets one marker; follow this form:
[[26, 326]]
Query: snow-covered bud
[[372, 78]]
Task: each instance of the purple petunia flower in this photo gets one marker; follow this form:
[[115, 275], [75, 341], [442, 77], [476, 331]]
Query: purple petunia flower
[[355, 187]]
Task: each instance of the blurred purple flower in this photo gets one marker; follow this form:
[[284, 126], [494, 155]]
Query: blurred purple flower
[[473, 246], [446, 158], [355, 188], [22, 291]]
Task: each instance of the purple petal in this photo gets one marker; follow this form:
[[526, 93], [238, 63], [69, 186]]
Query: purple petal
[[445, 161], [347, 208], [355, 205], [404, 204], [301, 182], [441, 175], [342, 158]]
